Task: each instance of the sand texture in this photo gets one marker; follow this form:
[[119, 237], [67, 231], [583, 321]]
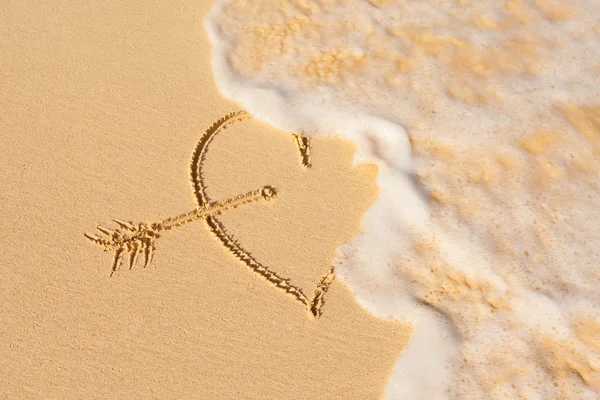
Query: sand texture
[[101, 107]]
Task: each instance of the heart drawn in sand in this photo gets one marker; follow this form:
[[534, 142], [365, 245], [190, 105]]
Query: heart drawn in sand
[[315, 303], [140, 239]]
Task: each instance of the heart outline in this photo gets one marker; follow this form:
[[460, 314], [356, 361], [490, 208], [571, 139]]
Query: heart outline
[[315, 305]]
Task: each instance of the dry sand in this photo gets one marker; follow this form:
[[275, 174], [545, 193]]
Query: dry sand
[[100, 109]]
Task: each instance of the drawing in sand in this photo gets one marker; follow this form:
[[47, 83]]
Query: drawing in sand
[[140, 239]]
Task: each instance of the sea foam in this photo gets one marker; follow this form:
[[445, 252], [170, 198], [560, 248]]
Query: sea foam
[[484, 120]]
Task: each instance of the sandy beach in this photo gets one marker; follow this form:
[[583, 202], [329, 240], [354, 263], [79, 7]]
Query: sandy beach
[[300, 199], [101, 107]]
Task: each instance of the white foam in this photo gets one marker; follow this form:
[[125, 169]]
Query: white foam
[[486, 322]]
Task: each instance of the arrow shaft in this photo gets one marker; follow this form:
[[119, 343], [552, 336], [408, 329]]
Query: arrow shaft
[[215, 208]]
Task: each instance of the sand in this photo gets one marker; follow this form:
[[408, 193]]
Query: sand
[[101, 107]]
